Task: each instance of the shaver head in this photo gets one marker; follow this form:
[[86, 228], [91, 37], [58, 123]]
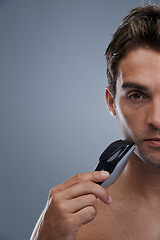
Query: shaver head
[[114, 159]]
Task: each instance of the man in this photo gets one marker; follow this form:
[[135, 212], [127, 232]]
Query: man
[[81, 209]]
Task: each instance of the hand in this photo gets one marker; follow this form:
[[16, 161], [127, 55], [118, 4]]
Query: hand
[[71, 205]]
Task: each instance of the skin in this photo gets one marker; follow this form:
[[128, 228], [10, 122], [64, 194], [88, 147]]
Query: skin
[[79, 208]]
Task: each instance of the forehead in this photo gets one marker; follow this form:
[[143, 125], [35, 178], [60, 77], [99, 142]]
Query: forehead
[[141, 66]]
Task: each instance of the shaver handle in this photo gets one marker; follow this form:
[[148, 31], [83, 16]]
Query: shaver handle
[[118, 169]]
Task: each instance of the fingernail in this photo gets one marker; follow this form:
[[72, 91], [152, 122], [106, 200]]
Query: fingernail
[[109, 199], [104, 174]]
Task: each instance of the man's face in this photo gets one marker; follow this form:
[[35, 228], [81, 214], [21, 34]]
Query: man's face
[[137, 102]]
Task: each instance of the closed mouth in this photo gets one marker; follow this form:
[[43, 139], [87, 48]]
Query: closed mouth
[[153, 141]]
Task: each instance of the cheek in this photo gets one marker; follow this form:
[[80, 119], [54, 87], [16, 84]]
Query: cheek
[[127, 122]]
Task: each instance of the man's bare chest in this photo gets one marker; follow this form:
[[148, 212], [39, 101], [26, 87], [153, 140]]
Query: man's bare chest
[[123, 223]]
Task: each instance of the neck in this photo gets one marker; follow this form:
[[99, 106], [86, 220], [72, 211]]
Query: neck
[[142, 178]]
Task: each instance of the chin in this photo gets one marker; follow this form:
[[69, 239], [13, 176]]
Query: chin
[[150, 157]]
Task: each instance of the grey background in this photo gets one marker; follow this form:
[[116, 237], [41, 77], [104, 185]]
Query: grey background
[[53, 118]]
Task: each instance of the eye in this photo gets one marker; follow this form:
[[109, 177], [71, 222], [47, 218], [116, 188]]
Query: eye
[[136, 96]]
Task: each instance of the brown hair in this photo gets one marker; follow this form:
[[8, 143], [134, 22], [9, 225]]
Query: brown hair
[[140, 28]]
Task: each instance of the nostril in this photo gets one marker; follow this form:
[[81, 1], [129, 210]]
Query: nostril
[[154, 122], [154, 127]]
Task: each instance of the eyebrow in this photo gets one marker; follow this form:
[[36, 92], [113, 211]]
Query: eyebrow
[[134, 85]]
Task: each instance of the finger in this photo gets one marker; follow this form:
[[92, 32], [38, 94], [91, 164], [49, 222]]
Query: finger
[[84, 216], [83, 188], [88, 187], [96, 176], [76, 204]]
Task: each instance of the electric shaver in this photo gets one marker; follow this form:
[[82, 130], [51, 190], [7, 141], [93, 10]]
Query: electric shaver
[[114, 159]]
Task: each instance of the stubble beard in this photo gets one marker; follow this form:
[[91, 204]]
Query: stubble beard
[[149, 155]]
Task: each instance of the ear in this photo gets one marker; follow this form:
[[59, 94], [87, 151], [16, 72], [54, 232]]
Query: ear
[[110, 102]]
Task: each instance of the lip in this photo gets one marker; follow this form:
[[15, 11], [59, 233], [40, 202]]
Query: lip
[[155, 142]]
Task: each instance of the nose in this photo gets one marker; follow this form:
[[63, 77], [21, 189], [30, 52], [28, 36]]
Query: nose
[[153, 118]]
